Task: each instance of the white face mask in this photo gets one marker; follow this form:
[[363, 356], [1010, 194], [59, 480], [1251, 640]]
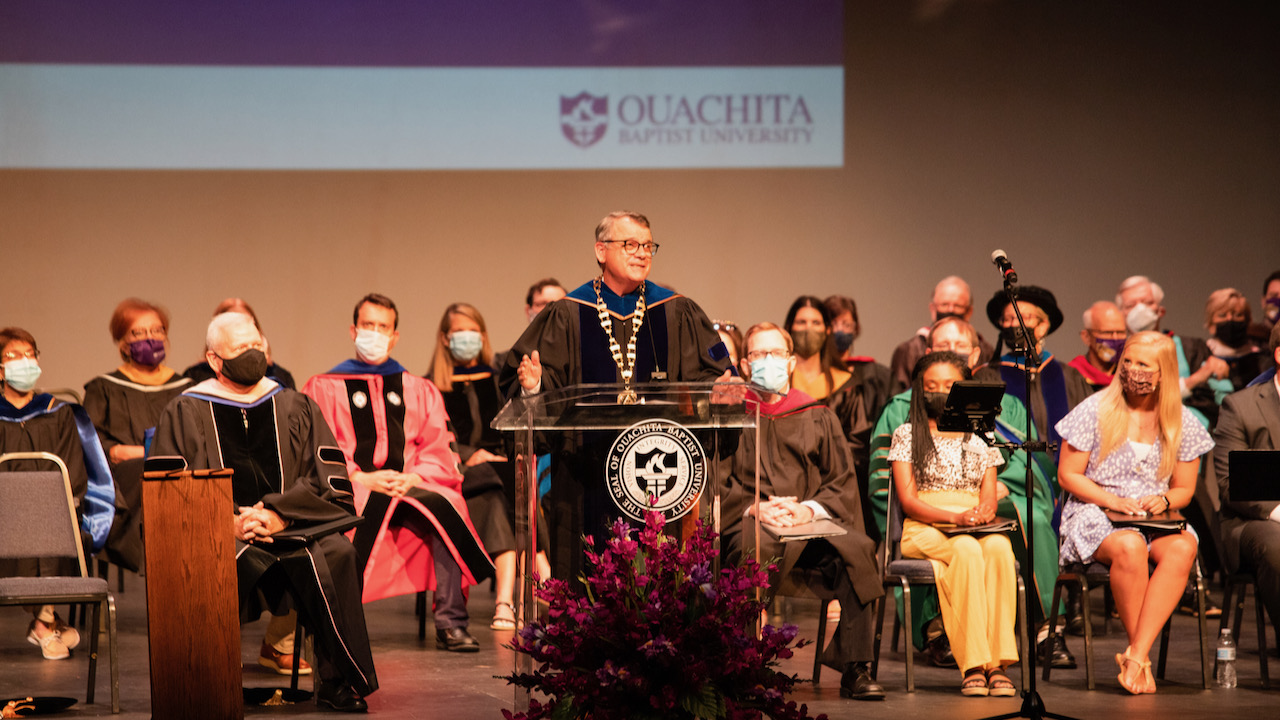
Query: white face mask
[[372, 346], [22, 374], [465, 345], [1141, 318]]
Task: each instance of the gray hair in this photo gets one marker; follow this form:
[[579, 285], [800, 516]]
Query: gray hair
[[1134, 281], [220, 324], [604, 231]]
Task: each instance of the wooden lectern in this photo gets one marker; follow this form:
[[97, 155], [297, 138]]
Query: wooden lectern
[[193, 618]]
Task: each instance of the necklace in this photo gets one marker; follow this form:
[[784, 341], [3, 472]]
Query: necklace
[[626, 369]]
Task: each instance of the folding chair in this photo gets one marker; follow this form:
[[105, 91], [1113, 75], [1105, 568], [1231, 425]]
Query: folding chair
[[38, 519], [903, 573], [1097, 574]]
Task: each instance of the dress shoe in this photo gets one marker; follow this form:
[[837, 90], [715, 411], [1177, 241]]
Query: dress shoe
[[1060, 658], [856, 683], [938, 652], [341, 698], [456, 639]]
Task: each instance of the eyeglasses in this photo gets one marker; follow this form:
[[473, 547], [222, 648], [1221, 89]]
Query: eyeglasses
[[238, 350], [15, 355], [960, 348], [159, 333], [1109, 334], [633, 246], [719, 325], [755, 355]]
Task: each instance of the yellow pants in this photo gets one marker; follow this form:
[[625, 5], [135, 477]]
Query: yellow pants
[[977, 585]]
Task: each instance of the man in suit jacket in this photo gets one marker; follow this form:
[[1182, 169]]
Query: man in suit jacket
[[1250, 420]]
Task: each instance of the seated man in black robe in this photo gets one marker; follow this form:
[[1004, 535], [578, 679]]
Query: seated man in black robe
[[807, 475], [289, 472]]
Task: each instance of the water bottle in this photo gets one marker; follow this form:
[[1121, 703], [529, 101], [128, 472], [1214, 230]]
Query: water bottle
[[1226, 673]]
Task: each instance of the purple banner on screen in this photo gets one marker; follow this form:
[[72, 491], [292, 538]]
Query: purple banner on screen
[[424, 33]]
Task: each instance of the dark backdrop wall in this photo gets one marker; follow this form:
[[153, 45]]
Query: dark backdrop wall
[[1091, 140]]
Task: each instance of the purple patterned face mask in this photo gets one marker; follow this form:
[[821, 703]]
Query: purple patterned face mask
[[148, 352], [1138, 382], [1271, 308], [1108, 348]]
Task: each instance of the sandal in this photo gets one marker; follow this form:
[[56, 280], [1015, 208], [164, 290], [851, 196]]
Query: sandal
[[974, 683], [503, 623], [1151, 681], [1144, 668], [999, 684]]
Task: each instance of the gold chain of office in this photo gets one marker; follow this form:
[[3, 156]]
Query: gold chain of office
[[628, 368]]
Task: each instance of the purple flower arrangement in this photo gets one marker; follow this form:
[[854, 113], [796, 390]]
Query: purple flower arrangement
[[653, 632]]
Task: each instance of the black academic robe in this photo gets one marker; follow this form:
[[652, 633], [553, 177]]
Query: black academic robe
[[1056, 388], [803, 455], [488, 487], [123, 411], [49, 425], [676, 343], [285, 456], [857, 405]]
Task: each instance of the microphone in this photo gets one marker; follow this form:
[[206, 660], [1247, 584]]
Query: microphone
[[1001, 261]]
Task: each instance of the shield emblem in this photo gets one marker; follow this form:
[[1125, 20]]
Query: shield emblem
[[584, 118], [652, 467]]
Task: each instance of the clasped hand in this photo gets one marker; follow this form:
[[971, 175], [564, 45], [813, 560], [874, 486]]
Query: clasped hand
[[256, 524], [782, 512], [979, 514], [387, 482], [1147, 505]]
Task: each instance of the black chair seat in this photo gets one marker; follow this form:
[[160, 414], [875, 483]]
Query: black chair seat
[[914, 570]]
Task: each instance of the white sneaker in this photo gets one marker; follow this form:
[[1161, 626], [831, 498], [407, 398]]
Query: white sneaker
[[51, 645], [70, 636]]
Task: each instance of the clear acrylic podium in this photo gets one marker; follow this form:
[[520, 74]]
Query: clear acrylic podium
[[675, 444]]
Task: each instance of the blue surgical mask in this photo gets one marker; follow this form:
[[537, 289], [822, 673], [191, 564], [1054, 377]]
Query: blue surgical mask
[[21, 374], [770, 373], [465, 345], [372, 346]]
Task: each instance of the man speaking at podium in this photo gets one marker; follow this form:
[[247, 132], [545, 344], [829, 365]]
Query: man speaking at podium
[[617, 328]]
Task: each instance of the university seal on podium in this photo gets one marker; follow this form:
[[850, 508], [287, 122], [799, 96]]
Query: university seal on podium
[[656, 465]]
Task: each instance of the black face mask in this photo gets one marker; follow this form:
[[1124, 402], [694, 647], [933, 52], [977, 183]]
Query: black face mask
[[942, 315], [247, 368], [1012, 336], [934, 404], [1232, 333], [842, 340]]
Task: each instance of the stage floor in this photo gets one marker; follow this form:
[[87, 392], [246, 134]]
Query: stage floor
[[419, 681]]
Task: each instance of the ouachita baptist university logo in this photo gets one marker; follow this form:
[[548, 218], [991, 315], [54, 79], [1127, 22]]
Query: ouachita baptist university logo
[[656, 465], [584, 118]]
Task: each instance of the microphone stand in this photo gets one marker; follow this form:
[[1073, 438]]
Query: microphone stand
[[1032, 705]]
